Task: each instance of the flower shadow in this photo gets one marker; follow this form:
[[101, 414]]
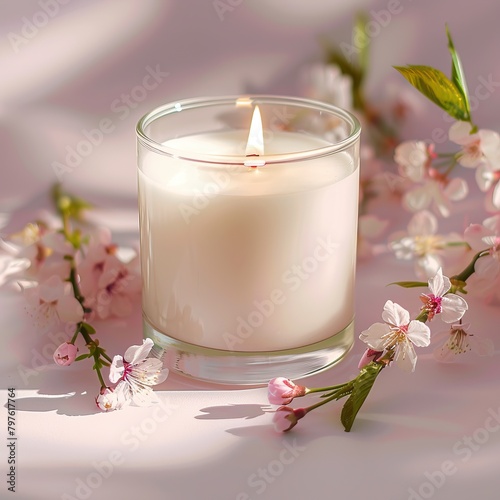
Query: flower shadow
[[74, 404], [245, 411]]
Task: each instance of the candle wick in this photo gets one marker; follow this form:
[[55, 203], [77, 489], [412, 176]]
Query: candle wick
[[252, 165]]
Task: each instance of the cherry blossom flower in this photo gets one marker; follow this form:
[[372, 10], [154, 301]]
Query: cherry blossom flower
[[65, 354], [285, 418], [398, 333], [282, 391], [457, 340], [435, 189], [413, 158], [451, 306], [326, 82], [44, 250], [421, 243], [488, 180], [91, 267], [135, 374], [52, 301], [482, 146], [486, 237], [109, 400], [117, 287]]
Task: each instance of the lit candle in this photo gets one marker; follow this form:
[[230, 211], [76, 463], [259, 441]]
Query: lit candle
[[258, 256]]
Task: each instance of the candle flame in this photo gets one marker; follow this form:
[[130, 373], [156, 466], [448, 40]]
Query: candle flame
[[255, 144]]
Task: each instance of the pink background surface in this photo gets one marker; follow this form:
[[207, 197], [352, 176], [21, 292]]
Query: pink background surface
[[69, 76]]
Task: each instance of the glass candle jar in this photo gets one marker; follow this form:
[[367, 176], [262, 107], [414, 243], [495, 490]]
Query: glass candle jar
[[248, 230]]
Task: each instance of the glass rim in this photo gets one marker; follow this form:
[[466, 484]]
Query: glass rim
[[248, 100]]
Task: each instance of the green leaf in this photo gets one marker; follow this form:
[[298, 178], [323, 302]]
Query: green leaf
[[362, 386], [409, 284], [83, 356], [457, 73], [436, 86]]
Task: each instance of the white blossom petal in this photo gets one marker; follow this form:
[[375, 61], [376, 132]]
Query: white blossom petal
[[417, 199], [459, 133], [69, 309], [484, 177], [405, 356], [453, 307], [419, 333], [456, 190], [395, 315], [439, 284], [136, 353], [423, 224], [487, 267], [373, 336], [493, 224], [123, 393], [474, 235], [490, 146], [427, 266], [116, 369], [496, 196], [52, 289]]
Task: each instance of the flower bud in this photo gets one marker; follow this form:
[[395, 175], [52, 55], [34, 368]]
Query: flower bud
[[65, 354], [369, 356], [107, 399], [281, 391], [285, 418]]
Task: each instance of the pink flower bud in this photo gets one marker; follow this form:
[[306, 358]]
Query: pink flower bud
[[107, 399], [369, 356], [65, 354], [285, 418], [281, 391]]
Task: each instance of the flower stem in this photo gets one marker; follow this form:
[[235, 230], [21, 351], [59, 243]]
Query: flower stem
[[335, 395], [469, 270], [326, 389]]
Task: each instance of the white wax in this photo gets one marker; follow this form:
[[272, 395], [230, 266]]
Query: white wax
[[248, 259]]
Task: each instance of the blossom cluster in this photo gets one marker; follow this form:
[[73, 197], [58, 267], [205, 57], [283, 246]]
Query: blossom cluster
[[425, 183], [71, 279]]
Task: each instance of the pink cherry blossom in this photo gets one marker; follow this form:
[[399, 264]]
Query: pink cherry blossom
[[52, 301], [486, 237], [117, 287], [480, 147], [135, 374], [285, 418], [451, 306], [458, 341], [91, 267], [65, 354], [399, 334], [282, 391]]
